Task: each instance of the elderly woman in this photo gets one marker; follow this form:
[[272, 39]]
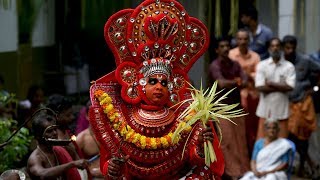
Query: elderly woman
[[270, 156]]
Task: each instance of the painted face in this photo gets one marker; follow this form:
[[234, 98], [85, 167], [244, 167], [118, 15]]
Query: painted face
[[157, 89]]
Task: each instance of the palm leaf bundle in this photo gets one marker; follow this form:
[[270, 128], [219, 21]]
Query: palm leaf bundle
[[206, 106]]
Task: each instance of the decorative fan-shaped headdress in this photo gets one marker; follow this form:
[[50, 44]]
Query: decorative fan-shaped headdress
[[157, 37]]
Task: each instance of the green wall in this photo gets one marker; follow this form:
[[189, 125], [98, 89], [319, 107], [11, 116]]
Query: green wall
[[25, 67]]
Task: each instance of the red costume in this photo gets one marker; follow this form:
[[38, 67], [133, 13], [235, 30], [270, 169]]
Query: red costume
[[156, 43]]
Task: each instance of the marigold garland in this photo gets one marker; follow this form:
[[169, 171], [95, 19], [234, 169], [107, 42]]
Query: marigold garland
[[128, 134]]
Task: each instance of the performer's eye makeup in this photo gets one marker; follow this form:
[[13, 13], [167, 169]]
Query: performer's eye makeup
[[164, 83], [153, 81]]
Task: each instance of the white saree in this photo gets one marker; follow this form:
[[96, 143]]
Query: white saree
[[268, 158]]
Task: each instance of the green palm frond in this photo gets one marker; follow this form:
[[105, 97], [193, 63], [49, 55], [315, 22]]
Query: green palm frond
[[207, 106]]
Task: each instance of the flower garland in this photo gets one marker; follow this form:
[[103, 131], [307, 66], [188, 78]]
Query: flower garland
[[129, 134]]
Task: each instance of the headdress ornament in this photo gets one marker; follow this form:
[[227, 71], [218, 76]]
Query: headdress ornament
[[156, 37]]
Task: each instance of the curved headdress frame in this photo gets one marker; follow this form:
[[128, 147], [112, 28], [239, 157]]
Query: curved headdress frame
[[155, 29]]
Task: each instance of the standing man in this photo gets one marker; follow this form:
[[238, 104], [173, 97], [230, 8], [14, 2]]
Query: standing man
[[229, 75], [48, 161], [275, 77], [302, 121], [248, 61], [259, 33]]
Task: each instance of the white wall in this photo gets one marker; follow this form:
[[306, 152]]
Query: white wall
[[43, 32], [312, 34], [9, 27], [286, 18]]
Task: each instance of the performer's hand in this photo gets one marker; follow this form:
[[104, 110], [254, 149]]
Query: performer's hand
[[115, 165], [206, 134], [81, 164]]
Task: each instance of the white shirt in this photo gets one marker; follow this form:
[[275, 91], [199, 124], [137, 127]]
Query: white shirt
[[275, 105]]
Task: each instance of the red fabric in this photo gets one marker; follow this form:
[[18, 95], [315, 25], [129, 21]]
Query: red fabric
[[63, 158]]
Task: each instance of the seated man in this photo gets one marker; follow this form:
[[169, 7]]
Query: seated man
[[48, 161], [270, 156]]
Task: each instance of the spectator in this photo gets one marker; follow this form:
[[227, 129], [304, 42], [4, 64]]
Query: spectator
[[315, 82], [89, 145], [34, 101], [82, 121], [63, 107], [229, 75], [48, 161], [248, 61], [274, 78], [259, 34], [316, 56], [302, 120], [262, 165]]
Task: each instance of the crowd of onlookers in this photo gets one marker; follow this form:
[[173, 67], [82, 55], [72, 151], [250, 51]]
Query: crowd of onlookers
[[277, 87]]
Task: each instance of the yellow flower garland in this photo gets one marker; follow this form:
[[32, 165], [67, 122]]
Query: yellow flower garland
[[128, 134]]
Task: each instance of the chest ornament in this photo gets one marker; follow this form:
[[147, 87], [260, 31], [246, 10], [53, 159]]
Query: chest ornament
[[128, 134]]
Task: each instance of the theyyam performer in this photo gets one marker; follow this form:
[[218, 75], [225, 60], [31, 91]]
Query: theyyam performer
[[132, 113]]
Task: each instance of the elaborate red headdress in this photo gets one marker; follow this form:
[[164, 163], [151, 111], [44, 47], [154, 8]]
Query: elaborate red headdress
[[157, 36]]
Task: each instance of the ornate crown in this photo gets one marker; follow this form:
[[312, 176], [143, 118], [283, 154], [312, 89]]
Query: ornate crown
[[160, 30], [156, 66]]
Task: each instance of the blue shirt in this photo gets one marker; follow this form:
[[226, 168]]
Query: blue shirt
[[258, 42], [304, 67], [315, 56]]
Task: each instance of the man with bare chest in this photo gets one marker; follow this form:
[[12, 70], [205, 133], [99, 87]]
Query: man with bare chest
[[48, 161], [89, 146]]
